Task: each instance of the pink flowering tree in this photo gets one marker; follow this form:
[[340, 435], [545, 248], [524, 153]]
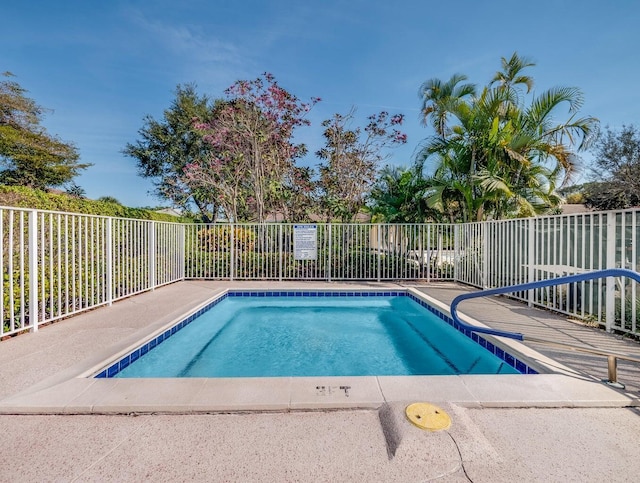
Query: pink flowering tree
[[351, 158], [253, 153]]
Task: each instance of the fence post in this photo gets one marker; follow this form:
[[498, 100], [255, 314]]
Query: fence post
[[32, 233], [280, 252], [531, 257], [232, 251], [485, 253], [109, 256], [456, 253], [429, 252], [379, 230], [610, 288], [182, 250], [152, 254], [330, 252]]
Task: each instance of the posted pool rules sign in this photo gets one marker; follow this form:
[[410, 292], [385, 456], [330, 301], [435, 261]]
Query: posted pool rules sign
[[305, 242]]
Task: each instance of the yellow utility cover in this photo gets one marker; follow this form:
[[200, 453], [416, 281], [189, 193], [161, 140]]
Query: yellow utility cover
[[428, 416]]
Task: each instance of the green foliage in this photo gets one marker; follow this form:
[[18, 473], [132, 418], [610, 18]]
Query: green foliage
[[76, 191], [167, 146], [631, 311], [11, 301], [32, 157], [109, 199], [219, 238], [399, 197], [609, 195], [494, 155], [350, 264], [71, 267], [23, 197], [616, 175], [575, 198]]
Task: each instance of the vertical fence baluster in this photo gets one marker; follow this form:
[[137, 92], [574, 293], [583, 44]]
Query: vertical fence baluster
[[33, 269], [151, 248], [610, 283]]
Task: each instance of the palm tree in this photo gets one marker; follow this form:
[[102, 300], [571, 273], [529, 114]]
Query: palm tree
[[439, 99], [510, 75], [496, 157], [398, 197]]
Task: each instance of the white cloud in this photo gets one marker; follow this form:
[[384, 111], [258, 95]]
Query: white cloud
[[200, 56]]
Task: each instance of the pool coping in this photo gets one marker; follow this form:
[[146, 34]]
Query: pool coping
[[201, 395], [72, 392]]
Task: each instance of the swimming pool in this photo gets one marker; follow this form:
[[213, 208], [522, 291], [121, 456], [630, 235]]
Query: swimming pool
[[405, 336]]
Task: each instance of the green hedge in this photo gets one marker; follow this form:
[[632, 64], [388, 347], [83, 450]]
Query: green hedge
[[23, 197]]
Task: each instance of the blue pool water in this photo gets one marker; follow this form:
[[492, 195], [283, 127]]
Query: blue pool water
[[313, 336]]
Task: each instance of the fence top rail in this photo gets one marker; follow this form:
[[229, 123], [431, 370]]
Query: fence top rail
[[219, 223], [320, 223], [84, 215]]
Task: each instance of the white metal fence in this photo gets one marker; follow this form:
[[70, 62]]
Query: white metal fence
[[57, 264], [344, 252], [509, 252]]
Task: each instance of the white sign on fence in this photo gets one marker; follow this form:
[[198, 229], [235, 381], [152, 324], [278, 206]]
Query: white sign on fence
[[305, 242]]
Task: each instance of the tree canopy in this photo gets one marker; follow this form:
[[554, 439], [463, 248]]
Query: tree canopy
[[616, 174], [497, 151], [350, 160], [237, 160], [494, 154], [31, 156], [250, 167], [398, 196], [167, 146]]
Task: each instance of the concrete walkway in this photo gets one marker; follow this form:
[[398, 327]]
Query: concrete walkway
[[586, 431]]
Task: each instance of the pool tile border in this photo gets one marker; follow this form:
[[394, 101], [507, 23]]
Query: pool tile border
[[124, 361]]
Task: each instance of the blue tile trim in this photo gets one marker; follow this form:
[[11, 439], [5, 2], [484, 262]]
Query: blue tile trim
[[113, 370], [116, 367], [318, 293]]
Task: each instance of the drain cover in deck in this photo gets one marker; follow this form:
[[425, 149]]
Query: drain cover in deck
[[428, 416]]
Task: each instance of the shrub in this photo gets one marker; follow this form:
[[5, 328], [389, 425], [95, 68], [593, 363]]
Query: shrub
[[575, 199], [218, 238], [23, 197]]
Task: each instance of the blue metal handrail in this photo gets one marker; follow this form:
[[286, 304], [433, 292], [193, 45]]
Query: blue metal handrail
[[582, 277]]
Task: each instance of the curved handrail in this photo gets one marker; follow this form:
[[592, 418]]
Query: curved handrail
[[611, 272]]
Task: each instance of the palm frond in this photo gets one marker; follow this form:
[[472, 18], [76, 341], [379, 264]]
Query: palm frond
[[546, 102], [510, 75], [492, 183]]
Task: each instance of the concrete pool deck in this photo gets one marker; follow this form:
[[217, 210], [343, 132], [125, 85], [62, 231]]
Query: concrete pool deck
[[62, 427]]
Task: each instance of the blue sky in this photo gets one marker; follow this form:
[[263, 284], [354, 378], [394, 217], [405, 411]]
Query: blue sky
[[102, 66]]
